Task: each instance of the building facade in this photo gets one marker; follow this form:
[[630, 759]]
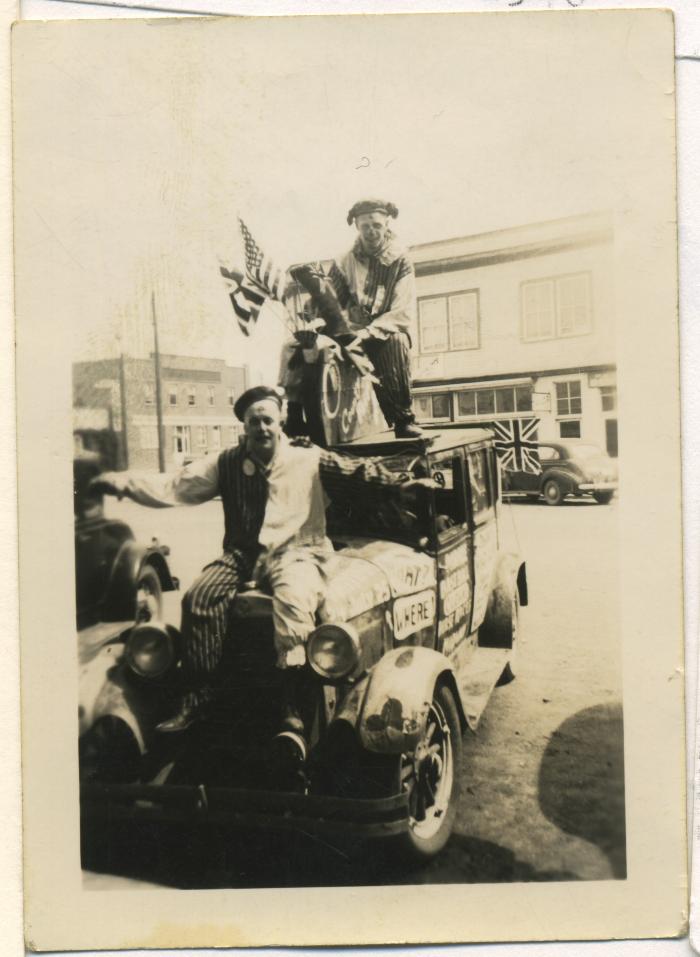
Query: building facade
[[197, 398], [519, 324]]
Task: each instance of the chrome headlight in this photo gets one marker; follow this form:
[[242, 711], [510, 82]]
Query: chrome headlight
[[150, 649], [333, 651]]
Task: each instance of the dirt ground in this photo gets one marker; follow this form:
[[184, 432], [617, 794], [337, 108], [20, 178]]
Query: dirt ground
[[542, 783]]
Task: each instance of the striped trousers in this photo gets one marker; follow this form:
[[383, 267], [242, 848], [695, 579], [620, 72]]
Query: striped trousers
[[296, 581], [391, 359]]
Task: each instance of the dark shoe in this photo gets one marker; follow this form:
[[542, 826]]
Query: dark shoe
[[407, 430], [191, 711]]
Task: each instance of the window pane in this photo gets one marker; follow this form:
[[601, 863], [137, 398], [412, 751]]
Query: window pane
[[485, 402], [608, 398], [573, 298], [466, 403], [538, 309], [441, 406], [449, 503], [422, 406], [464, 321], [433, 325], [479, 481], [505, 401], [523, 398], [570, 430]]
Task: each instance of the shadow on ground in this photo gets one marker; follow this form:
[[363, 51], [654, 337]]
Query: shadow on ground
[[582, 783]]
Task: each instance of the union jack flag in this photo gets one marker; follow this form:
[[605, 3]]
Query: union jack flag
[[516, 445], [261, 269]]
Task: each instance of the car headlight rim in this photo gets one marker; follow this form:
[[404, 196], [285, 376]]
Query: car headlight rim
[[333, 651], [151, 649]]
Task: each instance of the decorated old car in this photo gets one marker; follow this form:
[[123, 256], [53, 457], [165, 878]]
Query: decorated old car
[[418, 625]]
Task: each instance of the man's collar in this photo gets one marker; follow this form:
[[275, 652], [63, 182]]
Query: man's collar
[[388, 254], [282, 445]]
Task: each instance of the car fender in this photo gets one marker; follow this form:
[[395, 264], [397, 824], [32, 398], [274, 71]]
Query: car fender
[[509, 574], [120, 599], [389, 707], [118, 699], [93, 678], [565, 479]]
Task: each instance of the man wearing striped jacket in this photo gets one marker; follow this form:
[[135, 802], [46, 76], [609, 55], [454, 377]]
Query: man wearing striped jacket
[[274, 495]]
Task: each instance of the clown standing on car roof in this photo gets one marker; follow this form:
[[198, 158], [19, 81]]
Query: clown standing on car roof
[[274, 494], [375, 287]]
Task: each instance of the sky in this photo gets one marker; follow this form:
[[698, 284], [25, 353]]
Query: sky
[[151, 140]]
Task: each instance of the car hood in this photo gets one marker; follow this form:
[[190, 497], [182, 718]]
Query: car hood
[[367, 573]]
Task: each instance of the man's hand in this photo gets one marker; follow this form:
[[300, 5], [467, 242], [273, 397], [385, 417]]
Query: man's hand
[[107, 484]]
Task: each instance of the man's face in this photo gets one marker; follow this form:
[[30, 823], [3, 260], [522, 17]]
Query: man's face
[[262, 424], [372, 228]]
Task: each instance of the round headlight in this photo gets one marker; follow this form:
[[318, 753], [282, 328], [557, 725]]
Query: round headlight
[[150, 649], [333, 651]]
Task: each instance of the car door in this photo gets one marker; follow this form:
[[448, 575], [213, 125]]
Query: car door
[[453, 546], [482, 492]]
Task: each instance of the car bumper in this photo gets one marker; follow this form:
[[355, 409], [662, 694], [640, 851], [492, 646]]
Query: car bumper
[[598, 486], [377, 817]]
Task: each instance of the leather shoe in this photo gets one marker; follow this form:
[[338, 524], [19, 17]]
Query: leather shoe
[[189, 713], [407, 430]]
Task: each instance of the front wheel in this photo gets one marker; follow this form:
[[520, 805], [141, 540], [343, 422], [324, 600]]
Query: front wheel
[[553, 492], [431, 777], [603, 498]]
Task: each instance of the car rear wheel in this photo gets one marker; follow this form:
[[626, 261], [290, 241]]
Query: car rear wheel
[[149, 595], [430, 776], [553, 492], [603, 498]]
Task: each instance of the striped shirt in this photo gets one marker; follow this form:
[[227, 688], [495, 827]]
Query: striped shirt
[[383, 285]]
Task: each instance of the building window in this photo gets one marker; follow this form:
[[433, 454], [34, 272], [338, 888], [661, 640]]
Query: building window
[[201, 437], [608, 398], [503, 400], [569, 397], [181, 439], [449, 322], [432, 406], [570, 429], [172, 396], [191, 395], [210, 395], [216, 436], [148, 394], [558, 307], [232, 435], [231, 397]]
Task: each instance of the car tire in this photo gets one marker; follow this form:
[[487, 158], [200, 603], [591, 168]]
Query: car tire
[[603, 498], [431, 774], [149, 595], [553, 492], [510, 671]]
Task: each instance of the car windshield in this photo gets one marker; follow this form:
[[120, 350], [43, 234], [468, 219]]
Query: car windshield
[[386, 517], [586, 452]]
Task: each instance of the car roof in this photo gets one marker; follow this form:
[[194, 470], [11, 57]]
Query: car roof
[[433, 440]]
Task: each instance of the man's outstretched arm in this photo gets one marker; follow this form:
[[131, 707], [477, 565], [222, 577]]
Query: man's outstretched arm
[[191, 485]]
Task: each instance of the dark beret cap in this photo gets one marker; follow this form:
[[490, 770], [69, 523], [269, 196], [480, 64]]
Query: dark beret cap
[[256, 394], [371, 206]]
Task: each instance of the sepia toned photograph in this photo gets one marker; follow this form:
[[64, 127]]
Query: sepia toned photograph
[[339, 336]]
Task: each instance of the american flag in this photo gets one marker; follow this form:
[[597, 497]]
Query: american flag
[[516, 445], [261, 269], [246, 298]]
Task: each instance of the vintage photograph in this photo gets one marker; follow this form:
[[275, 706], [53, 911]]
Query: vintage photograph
[[330, 322]]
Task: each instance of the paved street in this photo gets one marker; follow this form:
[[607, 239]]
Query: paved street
[[542, 789]]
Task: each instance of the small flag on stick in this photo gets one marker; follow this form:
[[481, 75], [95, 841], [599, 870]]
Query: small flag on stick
[[261, 269], [246, 298]]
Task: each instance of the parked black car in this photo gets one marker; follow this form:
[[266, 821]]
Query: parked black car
[[568, 468]]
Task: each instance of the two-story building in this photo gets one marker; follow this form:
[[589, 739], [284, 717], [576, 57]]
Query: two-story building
[[519, 323], [197, 398]]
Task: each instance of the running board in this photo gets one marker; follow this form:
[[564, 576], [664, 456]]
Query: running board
[[485, 668]]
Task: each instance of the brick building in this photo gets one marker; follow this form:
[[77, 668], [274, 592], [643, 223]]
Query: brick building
[[519, 323], [197, 397]]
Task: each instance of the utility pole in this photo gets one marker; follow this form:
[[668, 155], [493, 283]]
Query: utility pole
[[122, 398], [159, 403]]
